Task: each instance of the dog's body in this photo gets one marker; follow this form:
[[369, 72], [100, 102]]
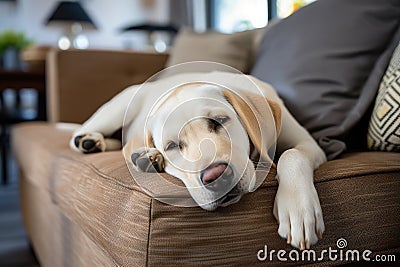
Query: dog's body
[[206, 129]]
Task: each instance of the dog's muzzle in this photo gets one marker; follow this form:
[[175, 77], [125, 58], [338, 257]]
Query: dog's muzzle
[[218, 177]]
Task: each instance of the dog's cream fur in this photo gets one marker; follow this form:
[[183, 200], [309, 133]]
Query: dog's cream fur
[[181, 142]]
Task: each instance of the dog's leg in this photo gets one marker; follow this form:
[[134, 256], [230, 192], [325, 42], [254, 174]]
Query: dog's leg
[[92, 136], [94, 142], [297, 207]]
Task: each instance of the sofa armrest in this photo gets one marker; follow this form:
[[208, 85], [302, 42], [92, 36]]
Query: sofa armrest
[[80, 81]]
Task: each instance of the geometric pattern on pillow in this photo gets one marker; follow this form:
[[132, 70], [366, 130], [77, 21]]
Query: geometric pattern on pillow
[[384, 126]]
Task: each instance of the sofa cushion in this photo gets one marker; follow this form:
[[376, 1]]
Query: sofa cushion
[[235, 50], [384, 126], [360, 197], [326, 61]]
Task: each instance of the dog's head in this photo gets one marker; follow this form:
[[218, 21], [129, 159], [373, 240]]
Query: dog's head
[[209, 135]]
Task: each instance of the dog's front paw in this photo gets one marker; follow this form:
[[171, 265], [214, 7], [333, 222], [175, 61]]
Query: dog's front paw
[[148, 160], [299, 215], [89, 143]]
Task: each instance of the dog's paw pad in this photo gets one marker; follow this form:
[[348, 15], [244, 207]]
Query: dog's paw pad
[[77, 140], [134, 157], [149, 160], [146, 165], [90, 143]]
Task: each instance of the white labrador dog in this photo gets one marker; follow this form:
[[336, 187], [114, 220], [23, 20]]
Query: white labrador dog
[[207, 129]]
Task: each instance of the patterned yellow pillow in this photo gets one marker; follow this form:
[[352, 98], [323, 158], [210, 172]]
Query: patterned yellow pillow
[[384, 126]]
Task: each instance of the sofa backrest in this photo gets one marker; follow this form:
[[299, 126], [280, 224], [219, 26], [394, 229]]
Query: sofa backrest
[[80, 81]]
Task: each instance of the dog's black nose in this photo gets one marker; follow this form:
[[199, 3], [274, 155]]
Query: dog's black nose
[[218, 176]]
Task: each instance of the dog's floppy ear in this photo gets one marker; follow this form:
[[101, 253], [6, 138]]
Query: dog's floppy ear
[[149, 140], [260, 117], [277, 114]]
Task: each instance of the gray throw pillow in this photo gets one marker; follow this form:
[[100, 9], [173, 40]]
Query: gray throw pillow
[[326, 62]]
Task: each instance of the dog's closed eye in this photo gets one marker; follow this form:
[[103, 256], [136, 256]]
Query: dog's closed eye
[[172, 145], [214, 124]]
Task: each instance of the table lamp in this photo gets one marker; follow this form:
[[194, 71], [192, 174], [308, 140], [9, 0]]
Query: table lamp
[[72, 16], [150, 29]]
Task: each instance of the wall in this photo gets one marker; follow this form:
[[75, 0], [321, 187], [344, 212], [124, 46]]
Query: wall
[[29, 16]]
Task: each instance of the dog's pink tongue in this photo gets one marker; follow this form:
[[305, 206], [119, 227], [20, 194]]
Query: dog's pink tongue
[[212, 174]]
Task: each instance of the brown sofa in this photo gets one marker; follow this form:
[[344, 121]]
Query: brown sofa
[[86, 210]]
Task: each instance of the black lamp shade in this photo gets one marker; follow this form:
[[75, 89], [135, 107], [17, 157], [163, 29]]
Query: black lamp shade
[[151, 28], [70, 12]]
